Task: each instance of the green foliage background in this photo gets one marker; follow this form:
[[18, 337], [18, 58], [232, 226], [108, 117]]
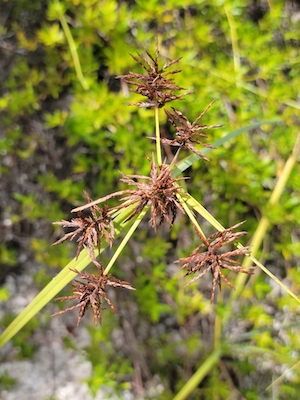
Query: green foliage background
[[62, 132]]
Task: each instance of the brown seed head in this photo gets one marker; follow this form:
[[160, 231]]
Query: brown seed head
[[156, 84], [157, 190], [89, 230], [90, 292], [188, 133], [209, 257]]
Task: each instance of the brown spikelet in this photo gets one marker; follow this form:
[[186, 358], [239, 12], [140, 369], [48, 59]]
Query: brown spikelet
[[156, 84], [209, 257], [188, 133], [90, 292], [89, 230], [157, 191]]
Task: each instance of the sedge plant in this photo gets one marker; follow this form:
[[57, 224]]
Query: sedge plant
[[159, 196]]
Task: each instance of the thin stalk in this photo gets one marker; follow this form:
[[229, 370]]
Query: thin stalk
[[218, 331], [198, 376], [189, 213], [125, 240], [235, 45], [72, 45], [157, 135], [263, 268], [217, 344], [281, 378]]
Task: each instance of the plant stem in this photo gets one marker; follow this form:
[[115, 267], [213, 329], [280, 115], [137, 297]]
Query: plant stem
[[125, 240], [189, 213], [235, 45], [72, 45], [198, 376], [157, 135]]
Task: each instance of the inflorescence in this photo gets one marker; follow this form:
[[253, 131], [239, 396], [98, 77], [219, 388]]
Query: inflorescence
[[160, 192]]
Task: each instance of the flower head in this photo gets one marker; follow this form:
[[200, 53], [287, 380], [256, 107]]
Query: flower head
[[91, 291], [89, 230], [159, 191], [156, 84], [188, 133], [208, 257]]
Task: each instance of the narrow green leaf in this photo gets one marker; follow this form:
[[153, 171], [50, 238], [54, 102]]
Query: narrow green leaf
[[218, 143], [281, 378], [55, 286], [284, 287]]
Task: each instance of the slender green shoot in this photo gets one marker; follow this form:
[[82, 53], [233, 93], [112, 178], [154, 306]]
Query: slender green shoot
[[157, 135], [280, 379], [199, 375], [263, 225], [72, 46], [189, 213], [125, 239], [234, 43]]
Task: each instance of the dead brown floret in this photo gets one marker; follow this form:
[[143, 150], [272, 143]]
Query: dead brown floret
[[91, 291], [188, 133], [157, 191], [156, 84], [89, 230], [209, 257]]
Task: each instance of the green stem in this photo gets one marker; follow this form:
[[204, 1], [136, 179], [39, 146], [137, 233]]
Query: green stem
[[72, 45], [189, 213], [157, 134], [235, 45], [125, 240], [198, 376]]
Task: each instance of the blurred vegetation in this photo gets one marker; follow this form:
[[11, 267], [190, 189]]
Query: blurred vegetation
[[64, 129]]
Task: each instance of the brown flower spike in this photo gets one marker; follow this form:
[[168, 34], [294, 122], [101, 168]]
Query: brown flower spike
[[91, 291], [89, 230], [188, 133], [207, 257], [157, 190], [156, 84]]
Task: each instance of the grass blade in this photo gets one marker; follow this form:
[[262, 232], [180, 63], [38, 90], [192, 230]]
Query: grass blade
[[54, 287]]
